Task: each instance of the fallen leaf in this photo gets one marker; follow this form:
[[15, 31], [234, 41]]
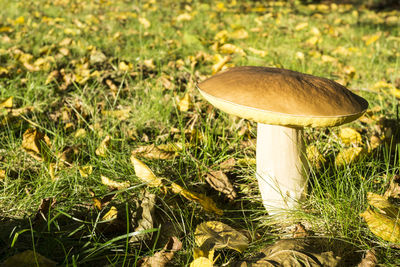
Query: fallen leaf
[[350, 136], [120, 114], [219, 63], [8, 103], [383, 204], [85, 171], [143, 215], [153, 152], [114, 184], [207, 203], [112, 214], [301, 26], [369, 259], [220, 182], [2, 174], [348, 156], [300, 231], [370, 39], [258, 52], [161, 258], [102, 149], [382, 226], [28, 258], [239, 34], [228, 164], [45, 205], [145, 22], [231, 49], [394, 188], [217, 235], [201, 262], [184, 103], [314, 156], [36, 144], [144, 173]]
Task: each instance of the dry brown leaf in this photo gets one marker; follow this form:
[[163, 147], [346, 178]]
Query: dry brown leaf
[[45, 205], [220, 182], [217, 235], [382, 226], [207, 203], [36, 144], [394, 188], [28, 258], [102, 149], [300, 231], [369, 259], [161, 258], [144, 173], [114, 184], [228, 164], [144, 215]]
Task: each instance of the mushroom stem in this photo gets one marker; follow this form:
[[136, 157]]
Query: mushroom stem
[[281, 166]]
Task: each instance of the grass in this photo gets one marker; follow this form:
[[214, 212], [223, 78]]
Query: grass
[[150, 55]]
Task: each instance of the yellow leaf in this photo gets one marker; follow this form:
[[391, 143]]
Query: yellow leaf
[[52, 76], [313, 41], [231, 49], [155, 152], [207, 203], [146, 24], [350, 136], [348, 156], [221, 36], [101, 150], [239, 34], [383, 204], [19, 21], [301, 26], [219, 63], [121, 114], [201, 262], [184, 103], [5, 29], [382, 226], [184, 17], [114, 184], [261, 53], [85, 171], [144, 173], [8, 103], [35, 142], [219, 236], [370, 39], [328, 59], [122, 66], [2, 174], [80, 133], [314, 156], [111, 214]]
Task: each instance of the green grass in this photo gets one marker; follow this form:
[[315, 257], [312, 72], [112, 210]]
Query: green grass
[[74, 233]]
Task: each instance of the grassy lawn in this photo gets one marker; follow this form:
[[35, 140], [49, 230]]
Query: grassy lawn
[[87, 87]]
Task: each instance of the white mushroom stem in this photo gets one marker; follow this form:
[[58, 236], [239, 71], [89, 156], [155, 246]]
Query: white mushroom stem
[[281, 166]]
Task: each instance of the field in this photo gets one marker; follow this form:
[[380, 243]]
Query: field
[[109, 156]]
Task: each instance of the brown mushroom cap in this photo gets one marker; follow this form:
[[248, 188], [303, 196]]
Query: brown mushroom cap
[[282, 97]]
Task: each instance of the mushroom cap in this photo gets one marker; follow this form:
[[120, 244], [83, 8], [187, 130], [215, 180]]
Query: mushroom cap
[[282, 97]]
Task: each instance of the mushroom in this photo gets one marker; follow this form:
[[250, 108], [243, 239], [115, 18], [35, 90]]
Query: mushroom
[[282, 102]]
